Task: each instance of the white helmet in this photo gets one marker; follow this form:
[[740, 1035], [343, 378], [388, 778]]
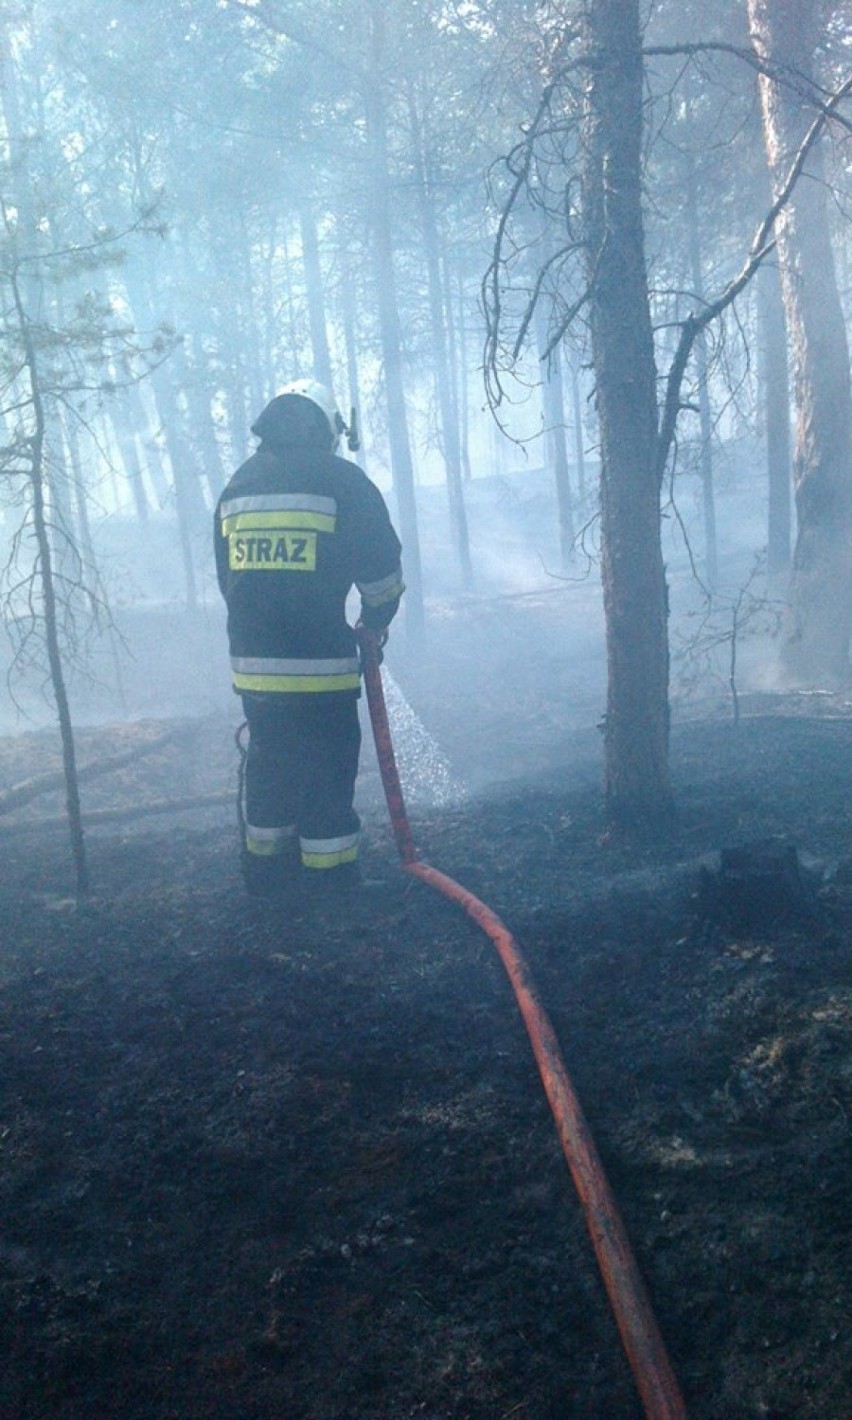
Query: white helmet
[[322, 397]]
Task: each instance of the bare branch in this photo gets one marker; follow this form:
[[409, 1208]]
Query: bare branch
[[760, 248], [533, 301], [795, 79]]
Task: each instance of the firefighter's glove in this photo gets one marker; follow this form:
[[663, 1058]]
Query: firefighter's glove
[[378, 637]]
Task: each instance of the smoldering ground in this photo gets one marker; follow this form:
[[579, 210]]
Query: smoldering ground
[[261, 1161]]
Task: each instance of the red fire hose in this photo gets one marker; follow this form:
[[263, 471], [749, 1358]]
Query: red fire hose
[[640, 1335]]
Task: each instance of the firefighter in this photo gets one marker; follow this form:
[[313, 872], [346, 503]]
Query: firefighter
[[295, 528]]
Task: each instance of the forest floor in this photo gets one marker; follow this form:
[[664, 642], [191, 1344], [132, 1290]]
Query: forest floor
[[263, 1162]]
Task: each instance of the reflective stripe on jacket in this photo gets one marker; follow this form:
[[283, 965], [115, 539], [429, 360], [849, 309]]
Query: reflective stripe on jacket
[[387, 589], [258, 673]]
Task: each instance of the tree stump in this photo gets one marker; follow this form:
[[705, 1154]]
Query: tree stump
[[758, 886]]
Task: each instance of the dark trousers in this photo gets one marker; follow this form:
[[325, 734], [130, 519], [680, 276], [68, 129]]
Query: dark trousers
[[300, 774]]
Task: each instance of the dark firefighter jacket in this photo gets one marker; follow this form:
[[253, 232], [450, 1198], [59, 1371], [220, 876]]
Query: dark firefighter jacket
[[294, 530]]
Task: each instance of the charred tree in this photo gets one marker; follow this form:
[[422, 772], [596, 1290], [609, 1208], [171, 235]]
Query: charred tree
[[634, 584]]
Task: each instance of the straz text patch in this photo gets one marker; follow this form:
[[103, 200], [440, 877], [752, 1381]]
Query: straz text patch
[[272, 550]]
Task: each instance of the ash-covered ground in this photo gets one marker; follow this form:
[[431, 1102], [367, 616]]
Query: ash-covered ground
[[264, 1160]]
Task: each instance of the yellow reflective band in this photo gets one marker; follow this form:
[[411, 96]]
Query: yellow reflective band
[[280, 521], [290, 683], [329, 852], [280, 552], [330, 860]]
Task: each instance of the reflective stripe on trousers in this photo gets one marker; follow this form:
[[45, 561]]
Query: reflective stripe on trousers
[[329, 852], [268, 842]]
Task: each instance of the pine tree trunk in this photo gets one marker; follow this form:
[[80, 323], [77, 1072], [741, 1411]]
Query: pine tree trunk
[[462, 382], [391, 333], [132, 414], [316, 297], [635, 597], [190, 508], [347, 299], [555, 445], [440, 356], [45, 577], [132, 464], [579, 434], [776, 404], [817, 652], [705, 421], [76, 479]]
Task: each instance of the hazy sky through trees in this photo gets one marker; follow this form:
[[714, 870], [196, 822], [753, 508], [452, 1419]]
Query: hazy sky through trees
[[201, 201]]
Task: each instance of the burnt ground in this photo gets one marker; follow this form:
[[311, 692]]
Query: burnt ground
[[272, 1162]]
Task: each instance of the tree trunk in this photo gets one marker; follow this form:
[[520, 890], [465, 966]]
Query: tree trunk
[[195, 404], [244, 378], [555, 445], [135, 414], [268, 304], [440, 357], [462, 382], [27, 295], [50, 605], [316, 298], [390, 330], [579, 434], [190, 508], [353, 379], [785, 32], [293, 343], [635, 595], [131, 462], [236, 263], [776, 397], [75, 477], [705, 420]]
